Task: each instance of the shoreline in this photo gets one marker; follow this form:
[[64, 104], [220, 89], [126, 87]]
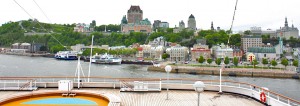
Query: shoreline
[[235, 72]]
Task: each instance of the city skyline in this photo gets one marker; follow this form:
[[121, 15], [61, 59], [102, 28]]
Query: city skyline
[[265, 14]]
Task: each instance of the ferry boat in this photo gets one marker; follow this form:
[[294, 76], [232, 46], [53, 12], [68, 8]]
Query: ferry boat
[[66, 55], [107, 59]]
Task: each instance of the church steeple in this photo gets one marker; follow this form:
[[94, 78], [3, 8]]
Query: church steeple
[[212, 26], [286, 23]]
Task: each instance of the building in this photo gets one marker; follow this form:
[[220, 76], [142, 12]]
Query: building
[[256, 31], [26, 46], [20, 47], [237, 52], [192, 23], [78, 47], [178, 53], [38, 48], [200, 50], [135, 22], [159, 41], [135, 14], [287, 32], [212, 26], [15, 46], [157, 52], [222, 51], [270, 32], [82, 27], [147, 51], [158, 24], [164, 25], [180, 28], [263, 52], [251, 41]]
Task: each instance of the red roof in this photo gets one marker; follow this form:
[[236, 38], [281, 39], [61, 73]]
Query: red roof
[[140, 49]]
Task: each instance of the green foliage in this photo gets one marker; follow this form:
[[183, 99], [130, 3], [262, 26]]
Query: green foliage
[[265, 61], [284, 62], [201, 59], [235, 40], [273, 63], [209, 61], [254, 62], [218, 61], [295, 63], [109, 28], [235, 61], [213, 37], [226, 61], [165, 56], [247, 32], [170, 30], [57, 48], [87, 52]]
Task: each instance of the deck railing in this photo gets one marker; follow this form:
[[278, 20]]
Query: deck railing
[[225, 83]]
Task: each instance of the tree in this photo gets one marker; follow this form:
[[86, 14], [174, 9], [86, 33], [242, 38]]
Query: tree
[[57, 48], [265, 61], [87, 52], [248, 32], [254, 62], [218, 61], [201, 59], [235, 61], [295, 63], [165, 56], [273, 63], [209, 61], [226, 61], [284, 62]]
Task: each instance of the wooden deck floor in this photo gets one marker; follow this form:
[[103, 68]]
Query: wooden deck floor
[[176, 98]]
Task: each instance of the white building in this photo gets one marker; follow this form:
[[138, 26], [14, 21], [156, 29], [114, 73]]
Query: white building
[[159, 41], [222, 51], [178, 53], [147, 51]]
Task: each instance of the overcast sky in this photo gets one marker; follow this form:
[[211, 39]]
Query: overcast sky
[[263, 13]]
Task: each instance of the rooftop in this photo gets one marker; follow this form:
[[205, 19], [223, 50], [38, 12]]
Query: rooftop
[[191, 16], [135, 8], [262, 49], [251, 36]]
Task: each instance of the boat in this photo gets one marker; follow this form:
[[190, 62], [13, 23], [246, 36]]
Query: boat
[[66, 55], [107, 59]]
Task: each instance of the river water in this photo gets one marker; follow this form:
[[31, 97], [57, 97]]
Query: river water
[[11, 65]]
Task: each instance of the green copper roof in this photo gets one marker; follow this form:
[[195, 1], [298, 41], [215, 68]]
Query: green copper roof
[[262, 49]]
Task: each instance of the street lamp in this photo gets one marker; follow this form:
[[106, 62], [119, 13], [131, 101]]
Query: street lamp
[[168, 69], [199, 87]]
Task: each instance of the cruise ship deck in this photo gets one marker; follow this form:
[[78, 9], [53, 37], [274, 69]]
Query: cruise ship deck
[[176, 97]]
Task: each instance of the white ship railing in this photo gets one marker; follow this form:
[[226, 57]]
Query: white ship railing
[[249, 90]]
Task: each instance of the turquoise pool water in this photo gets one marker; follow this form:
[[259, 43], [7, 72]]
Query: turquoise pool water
[[62, 101]]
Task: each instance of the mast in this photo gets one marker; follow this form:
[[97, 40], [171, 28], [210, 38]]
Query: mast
[[78, 73], [89, 74]]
